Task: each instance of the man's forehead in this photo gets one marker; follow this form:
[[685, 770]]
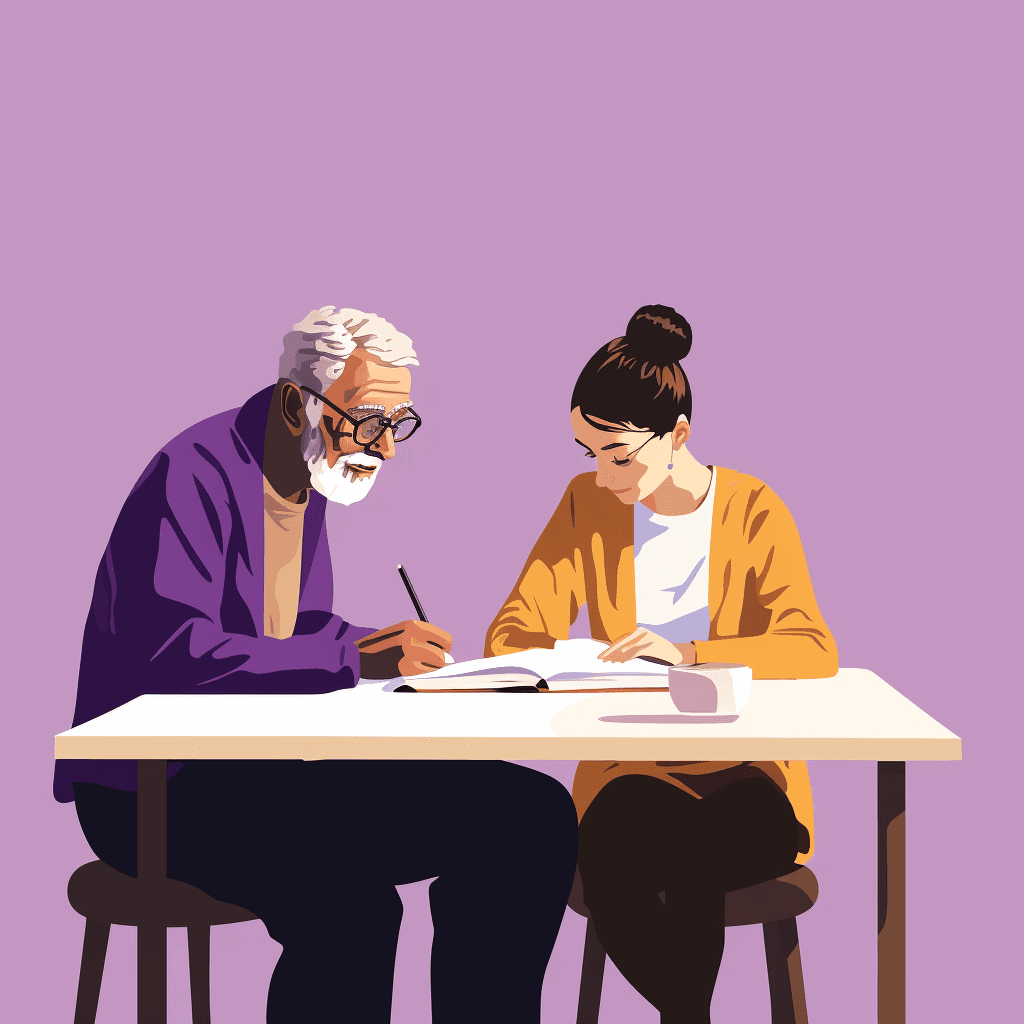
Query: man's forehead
[[364, 377]]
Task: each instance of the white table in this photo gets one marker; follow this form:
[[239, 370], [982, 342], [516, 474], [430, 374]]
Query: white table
[[853, 716]]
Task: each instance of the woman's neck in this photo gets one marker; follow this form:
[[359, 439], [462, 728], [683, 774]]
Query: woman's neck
[[683, 490]]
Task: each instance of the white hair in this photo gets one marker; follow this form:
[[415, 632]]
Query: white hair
[[315, 351]]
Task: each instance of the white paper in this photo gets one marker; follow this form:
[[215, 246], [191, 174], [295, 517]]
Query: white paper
[[568, 660]]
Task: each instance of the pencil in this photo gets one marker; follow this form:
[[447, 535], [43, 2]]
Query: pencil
[[412, 594]]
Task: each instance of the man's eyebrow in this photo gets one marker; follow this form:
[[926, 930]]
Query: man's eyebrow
[[377, 405], [581, 444], [372, 386]]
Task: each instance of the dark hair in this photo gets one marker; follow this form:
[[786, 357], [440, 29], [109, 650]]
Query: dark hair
[[637, 378]]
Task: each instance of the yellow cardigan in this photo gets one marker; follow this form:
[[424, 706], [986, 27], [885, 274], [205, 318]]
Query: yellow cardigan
[[762, 607]]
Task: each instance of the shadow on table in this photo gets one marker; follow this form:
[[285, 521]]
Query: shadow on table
[[667, 719]]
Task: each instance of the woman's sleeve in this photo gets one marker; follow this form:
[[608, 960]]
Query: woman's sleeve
[[782, 633], [549, 593]]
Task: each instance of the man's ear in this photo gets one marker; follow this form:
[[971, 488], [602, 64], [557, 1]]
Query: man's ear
[[680, 433], [293, 409]]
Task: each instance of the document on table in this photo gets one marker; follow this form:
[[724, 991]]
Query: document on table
[[571, 666]]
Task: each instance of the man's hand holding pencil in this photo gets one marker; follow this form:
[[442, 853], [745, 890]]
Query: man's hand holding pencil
[[405, 649]]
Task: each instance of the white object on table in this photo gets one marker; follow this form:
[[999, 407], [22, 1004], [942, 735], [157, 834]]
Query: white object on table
[[714, 688]]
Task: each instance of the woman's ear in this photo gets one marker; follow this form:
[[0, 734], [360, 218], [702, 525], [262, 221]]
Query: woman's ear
[[293, 410], [680, 433]]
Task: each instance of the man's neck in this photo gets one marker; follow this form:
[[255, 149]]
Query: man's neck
[[298, 498]]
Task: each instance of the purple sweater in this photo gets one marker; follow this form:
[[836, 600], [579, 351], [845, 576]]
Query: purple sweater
[[178, 601]]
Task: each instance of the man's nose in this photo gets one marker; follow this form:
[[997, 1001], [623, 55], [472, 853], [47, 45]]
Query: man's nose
[[604, 477], [385, 446]]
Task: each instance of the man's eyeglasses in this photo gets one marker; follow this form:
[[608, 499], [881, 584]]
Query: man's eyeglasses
[[368, 430]]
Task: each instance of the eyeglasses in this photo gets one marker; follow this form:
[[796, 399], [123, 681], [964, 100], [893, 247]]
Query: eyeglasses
[[629, 455], [368, 430]]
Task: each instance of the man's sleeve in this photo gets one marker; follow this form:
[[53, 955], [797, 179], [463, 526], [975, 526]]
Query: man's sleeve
[[169, 612], [549, 593], [792, 639]]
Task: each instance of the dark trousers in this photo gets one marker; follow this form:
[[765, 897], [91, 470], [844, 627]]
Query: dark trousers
[[316, 848], [641, 837]]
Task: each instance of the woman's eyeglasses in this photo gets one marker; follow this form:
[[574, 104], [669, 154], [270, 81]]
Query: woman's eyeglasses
[[368, 430], [629, 455]]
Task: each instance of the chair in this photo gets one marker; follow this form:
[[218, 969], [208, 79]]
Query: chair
[[104, 897], [774, 904]]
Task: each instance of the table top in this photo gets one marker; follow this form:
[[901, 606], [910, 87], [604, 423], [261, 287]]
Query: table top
[[854, 716]]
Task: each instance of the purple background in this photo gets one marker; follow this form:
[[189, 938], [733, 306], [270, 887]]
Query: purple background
[[826, 191]]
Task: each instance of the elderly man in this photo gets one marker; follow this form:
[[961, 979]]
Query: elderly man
[[218, 579]]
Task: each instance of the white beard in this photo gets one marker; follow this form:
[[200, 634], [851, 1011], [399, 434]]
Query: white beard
[[335, 484]]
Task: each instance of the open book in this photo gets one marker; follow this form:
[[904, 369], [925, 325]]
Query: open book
[[572, 665]]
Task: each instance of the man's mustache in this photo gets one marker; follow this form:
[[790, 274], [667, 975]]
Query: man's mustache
[[354, 467], [373, 455]]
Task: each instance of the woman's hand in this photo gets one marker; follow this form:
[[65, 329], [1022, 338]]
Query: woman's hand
[[642, 643]]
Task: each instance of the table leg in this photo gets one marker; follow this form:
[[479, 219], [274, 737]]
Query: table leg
[[152, 872], [892, 892]]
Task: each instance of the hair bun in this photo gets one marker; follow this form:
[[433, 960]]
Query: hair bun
[[662, 334]]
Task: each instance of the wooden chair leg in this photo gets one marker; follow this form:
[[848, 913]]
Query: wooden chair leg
[[591, 978], [785, 975], [152, 973], [94, 955], [199, 972]]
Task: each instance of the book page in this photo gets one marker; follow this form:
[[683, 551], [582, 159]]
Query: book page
[[577, 660], [537, 663], [570, 661]]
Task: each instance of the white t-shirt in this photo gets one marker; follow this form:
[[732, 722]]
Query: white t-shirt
[[670, 560]]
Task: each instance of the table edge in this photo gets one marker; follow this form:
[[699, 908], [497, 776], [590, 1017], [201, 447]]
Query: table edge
[[538, 748]]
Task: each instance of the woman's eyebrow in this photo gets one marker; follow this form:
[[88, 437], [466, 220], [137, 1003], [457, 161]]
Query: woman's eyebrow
[[606, 448]]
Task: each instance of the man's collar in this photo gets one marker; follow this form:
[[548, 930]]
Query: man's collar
[[251, 422]]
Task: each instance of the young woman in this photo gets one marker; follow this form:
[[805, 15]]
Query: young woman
[[683, 563]]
